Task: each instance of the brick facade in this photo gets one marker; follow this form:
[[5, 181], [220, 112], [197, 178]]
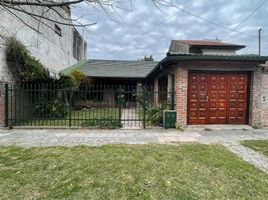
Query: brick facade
[[264, 98], [181, 87], [255, 105]]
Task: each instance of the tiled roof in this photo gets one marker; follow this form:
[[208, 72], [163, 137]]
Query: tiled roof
[[113, 68], [207, 43]]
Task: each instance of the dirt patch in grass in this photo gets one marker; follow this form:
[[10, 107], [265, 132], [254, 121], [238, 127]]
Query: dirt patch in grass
[[189, 171]]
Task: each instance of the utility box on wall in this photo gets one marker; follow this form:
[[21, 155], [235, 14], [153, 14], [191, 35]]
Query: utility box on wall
[[169, 118]]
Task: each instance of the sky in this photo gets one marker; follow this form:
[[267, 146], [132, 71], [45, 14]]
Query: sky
[[138, 28]]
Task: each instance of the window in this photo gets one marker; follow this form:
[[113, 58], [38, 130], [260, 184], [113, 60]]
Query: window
[[162, 89], [57, 30]]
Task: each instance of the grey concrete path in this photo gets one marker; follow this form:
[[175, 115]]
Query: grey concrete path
[[230, 138], [249, 155], [130, 119], [66, 137]]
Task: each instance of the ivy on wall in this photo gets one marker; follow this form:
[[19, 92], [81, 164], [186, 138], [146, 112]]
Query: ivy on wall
[[26, 69]]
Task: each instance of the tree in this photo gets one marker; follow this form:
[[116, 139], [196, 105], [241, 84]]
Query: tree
[[149, 58], [29, 7]]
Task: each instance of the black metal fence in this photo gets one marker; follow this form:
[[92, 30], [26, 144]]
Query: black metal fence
[[92, 106]]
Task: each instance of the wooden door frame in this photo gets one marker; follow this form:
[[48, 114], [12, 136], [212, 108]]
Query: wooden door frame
[[249, 86]]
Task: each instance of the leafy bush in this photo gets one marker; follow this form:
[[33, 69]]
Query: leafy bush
[[154, 115], [84, 104], [104, 123], [28, 70], [53, 109]]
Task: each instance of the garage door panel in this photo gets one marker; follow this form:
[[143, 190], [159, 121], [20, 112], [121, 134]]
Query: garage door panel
[[217, 98]]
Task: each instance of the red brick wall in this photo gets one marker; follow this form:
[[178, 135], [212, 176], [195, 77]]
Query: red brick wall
[[255, 105], [181, 85]]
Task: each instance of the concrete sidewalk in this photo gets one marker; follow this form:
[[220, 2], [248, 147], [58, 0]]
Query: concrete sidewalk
[[67, 137], [230, 138], [71, 137]]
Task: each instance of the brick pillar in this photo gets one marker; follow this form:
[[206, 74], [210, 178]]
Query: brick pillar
[[169, 88], [181, 84], [255, 108]]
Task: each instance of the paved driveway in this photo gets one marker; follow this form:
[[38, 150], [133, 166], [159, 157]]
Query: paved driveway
[[66, 137]]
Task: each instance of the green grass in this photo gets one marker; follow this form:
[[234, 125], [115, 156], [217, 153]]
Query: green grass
[[257, 145], [207, 129], [78, 117], [190, 171]]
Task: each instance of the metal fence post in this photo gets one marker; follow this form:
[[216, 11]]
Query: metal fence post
[[6, 105], [119, 105], [144, 107], [70, 109]]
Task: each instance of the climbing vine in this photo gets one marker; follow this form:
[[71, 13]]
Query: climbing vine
[[26, 69]]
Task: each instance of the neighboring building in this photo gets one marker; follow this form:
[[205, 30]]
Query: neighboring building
[[203, 47], [56, 46]]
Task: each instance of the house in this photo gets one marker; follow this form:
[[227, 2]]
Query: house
[[212, 84], [108, 74]]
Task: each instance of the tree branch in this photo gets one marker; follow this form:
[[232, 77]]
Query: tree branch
[[34, 3]]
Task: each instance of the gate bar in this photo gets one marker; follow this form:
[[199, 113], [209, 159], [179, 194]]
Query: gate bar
[[6, 105]]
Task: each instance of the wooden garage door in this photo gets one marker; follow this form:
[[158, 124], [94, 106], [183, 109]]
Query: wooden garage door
[[217, 98]]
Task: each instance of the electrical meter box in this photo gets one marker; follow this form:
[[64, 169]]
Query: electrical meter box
[[169, 118]]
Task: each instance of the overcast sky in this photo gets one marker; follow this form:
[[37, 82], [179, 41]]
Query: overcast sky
[[141, 29]]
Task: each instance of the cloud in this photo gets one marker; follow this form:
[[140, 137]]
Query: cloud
[[143, 29]]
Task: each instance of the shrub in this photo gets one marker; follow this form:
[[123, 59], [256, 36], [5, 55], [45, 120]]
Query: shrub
[[179, 127], [84, 104], [53, 109], [154, 115], [104, 123]]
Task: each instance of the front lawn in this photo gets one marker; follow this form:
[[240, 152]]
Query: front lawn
[[78, 118], [257, 145], [189, 171]]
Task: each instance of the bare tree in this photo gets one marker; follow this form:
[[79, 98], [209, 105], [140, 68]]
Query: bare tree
[[17, 7]]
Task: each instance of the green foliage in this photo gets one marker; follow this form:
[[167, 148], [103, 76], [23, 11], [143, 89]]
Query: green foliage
[[51, 108], [77, 77], [103, 123], [257, 145], [154, 115], [179, 127], [24, 66], [84, 104], [256, 126], [207, 129], [27, 69], [183, 172], [149, 58]]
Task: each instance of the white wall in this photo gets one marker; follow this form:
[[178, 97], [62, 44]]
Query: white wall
[[54, 51], [218, 52]]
